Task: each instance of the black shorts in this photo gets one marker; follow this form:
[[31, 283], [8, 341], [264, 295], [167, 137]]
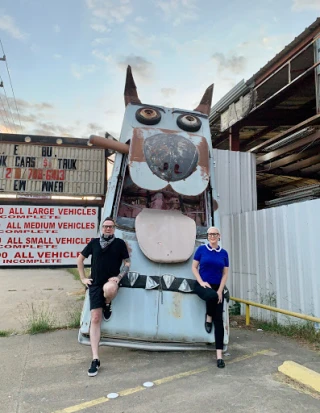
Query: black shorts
[[97, 299]]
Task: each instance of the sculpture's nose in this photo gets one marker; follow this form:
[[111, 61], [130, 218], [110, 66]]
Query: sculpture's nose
[[171, 157]]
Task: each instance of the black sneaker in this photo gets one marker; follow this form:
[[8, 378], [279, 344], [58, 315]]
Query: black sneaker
[[95, 365], [107, 312]]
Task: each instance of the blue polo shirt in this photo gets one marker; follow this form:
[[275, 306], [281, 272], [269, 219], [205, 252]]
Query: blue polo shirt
[[211, 264]]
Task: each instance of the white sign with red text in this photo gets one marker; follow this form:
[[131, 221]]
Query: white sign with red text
[[45, 235]]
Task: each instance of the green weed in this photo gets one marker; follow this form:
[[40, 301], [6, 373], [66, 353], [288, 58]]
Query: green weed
[[74, 318], [40, 320]]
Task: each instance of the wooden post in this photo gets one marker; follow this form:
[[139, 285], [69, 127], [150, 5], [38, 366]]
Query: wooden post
[[234, 138]]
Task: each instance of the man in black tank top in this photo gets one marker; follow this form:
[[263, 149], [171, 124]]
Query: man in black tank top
[[108, 254]]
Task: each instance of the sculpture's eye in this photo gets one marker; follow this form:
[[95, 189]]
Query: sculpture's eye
[[148, 116], [189, 123]]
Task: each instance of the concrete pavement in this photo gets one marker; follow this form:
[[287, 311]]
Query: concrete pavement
[[47, 373], [53, 291]]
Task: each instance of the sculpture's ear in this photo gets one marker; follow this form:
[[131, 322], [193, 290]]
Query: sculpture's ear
[[205, 104], [130, 90]]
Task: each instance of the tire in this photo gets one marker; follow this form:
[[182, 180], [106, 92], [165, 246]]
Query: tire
[[189, 123], [148, 116]]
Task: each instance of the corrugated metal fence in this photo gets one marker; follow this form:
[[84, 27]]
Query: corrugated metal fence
[[235, 181], [275, 257]]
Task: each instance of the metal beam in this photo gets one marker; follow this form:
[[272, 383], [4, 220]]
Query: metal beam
[[219, 141], [286, 160], [279, 117], [302, 164], [245, 143], [294, 174], [308, 122], [234, 140], [288, 148]]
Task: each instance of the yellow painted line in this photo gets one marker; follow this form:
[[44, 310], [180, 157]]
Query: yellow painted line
[[248, 356], [127, 392], [83, 406], [158, 382], [303, 375], [180, 375]]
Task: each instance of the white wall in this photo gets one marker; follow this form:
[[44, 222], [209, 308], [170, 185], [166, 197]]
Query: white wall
[[275, 257]]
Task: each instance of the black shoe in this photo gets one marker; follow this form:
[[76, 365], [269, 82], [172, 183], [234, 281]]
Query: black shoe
[[95, 365], [107, 312], [220, 364], [207, 325]]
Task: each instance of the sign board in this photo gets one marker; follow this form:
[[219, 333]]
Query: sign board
[[45, 235], [54, 170]]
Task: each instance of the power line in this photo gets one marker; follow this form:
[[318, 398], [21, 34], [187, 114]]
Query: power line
[[14, 97], [8, 103], [5, 113]]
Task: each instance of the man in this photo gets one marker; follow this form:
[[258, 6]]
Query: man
[[108, 254]]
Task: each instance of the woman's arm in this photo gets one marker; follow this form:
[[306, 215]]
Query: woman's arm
[[195, 270], [223, 283]]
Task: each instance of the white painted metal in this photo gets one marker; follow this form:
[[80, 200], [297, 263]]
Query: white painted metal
[[274, 256], [235, 181]]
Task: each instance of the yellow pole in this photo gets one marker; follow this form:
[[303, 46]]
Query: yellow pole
[[275, 309], [247, 314]]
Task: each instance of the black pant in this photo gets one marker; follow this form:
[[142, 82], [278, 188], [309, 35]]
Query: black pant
[[214, 310]]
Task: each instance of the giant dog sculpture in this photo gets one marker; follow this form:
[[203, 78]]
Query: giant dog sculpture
[[161, 197]]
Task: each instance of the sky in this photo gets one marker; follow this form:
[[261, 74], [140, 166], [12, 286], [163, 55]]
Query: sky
[[67, 58]]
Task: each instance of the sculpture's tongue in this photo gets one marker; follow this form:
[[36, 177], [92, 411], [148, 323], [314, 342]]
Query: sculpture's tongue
[[165, 236]]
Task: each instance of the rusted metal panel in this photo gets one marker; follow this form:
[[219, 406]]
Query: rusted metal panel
[[237, 111], [159, 158], [56, 170]]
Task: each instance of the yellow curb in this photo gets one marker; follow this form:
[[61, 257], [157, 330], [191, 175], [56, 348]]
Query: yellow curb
[[302, 374]]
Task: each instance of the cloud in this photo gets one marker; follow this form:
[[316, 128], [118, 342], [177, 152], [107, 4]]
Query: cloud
[[10, 127], [140, 66], [178, 11], [100, 41], [57, 28], [100, 28], [234, 64], [299, 5], [57, 56], [28, 118], [23, 104], [100, 55], [139, 39], [52, 129], [43, 106], [32, 116], [79, 71], [168, 92], [140, 19], [110, 11], [95, 128], [8, 25]]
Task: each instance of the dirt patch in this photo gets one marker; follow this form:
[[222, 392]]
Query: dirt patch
[[54, 291]]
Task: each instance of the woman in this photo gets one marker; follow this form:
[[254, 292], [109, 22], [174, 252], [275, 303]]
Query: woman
[[210, 267]]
